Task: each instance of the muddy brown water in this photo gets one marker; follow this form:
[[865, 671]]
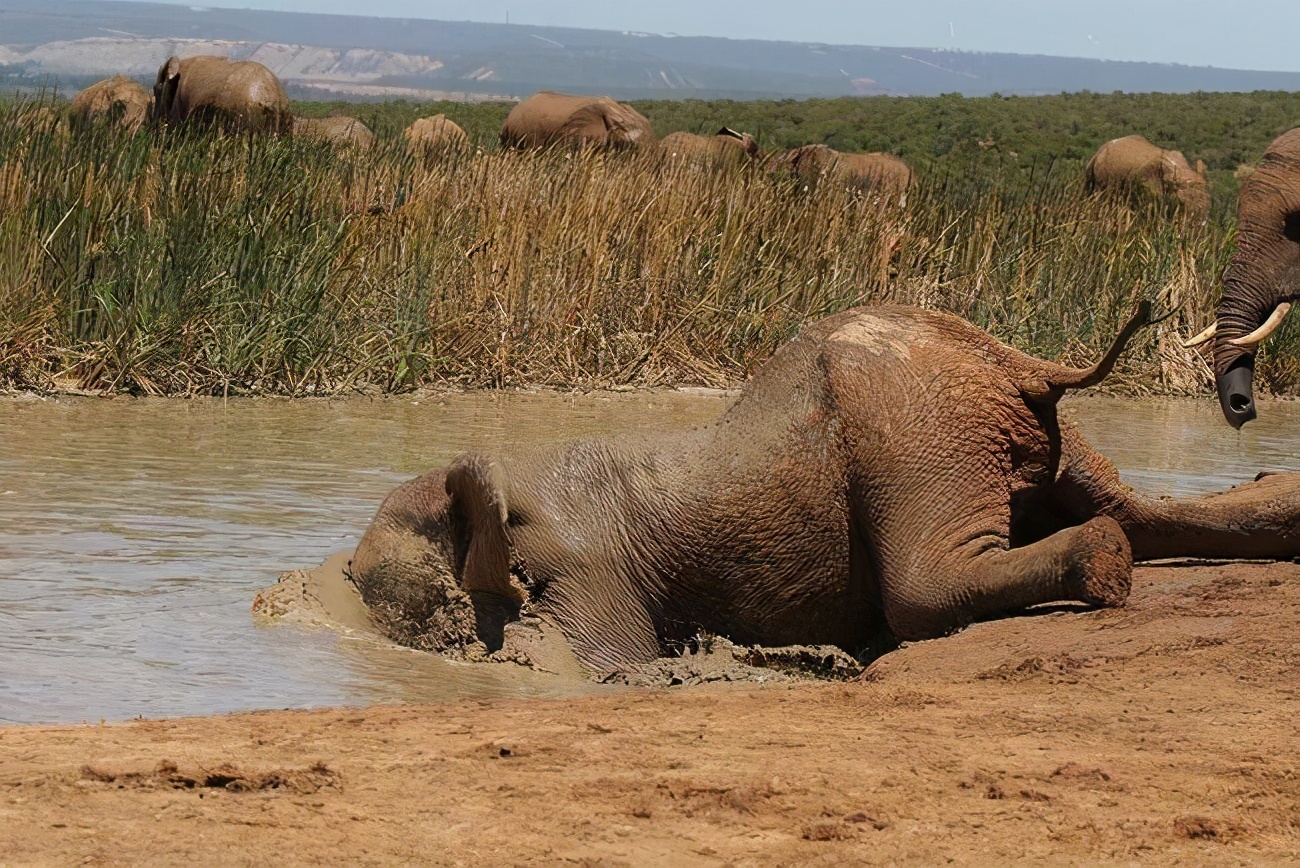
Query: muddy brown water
[[134, 533]]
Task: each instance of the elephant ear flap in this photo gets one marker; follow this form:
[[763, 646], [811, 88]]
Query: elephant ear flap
[[475, 491]]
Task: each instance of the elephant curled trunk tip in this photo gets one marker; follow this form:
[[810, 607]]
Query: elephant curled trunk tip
[[1236, 391], [1058, 378]]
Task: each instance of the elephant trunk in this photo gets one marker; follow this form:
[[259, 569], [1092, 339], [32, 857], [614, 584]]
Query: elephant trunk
[[1249, 290], [406, 566]]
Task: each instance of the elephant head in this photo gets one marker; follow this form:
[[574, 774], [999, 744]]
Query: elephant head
[[165, 86], [434, 563], [1134, 166], [1263, 277], [1185, 184]]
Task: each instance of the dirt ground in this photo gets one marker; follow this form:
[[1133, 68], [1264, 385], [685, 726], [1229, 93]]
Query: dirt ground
[[1165, 732]]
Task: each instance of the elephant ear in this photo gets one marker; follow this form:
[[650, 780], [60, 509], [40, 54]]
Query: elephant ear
[[473, 485], [171, 81]]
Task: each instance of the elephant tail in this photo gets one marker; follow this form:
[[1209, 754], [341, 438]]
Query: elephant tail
[[1054, 379]]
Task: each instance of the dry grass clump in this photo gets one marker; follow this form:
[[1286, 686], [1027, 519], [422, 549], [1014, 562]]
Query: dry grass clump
[[177, 264]]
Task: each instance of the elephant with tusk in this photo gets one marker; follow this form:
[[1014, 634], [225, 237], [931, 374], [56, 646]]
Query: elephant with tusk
[[1263, 278], [889, 469], [724, 146]]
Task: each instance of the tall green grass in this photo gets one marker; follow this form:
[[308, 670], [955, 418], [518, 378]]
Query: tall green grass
[[188, 264]]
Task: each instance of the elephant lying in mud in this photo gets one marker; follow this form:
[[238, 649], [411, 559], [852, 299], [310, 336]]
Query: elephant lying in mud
[[1133, 166], [890, 468], [1263, 277], [235, 95]]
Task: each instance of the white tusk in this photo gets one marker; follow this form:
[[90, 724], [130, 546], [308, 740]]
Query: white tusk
[[1203, 336], [1274, 320]]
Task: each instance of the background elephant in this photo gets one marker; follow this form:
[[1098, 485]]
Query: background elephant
[[336, 129], [726, 145], [232, 94], [881, 172], [549, 118], [119, 100], [429, 137], [1263, 277], [1132, 165], [889, 467]]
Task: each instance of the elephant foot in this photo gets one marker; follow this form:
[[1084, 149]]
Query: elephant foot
[[1101, 570]]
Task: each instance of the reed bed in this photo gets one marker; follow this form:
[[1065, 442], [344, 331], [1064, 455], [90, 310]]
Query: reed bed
[[173, 263]]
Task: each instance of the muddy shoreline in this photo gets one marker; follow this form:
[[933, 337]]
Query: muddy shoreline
[[1162, 733]]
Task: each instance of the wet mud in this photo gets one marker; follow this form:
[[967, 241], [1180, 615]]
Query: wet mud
[[1162, 733]]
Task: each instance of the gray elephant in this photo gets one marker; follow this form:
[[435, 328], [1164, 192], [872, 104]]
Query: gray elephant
[[118, 100], [549, 118], [234, 95], [877, 171], [339, 130], [1263, 277], [1133, 166], [724, 146], [889, 468]]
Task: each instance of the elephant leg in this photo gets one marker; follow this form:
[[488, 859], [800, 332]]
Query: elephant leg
[[1259, 519], [945, 562]]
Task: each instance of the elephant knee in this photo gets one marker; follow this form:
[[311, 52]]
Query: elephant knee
[[915, 619]]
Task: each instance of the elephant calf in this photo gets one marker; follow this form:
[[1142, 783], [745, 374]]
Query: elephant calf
[[889, 467]]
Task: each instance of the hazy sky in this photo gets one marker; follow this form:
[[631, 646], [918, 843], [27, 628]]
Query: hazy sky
[[1257, 35]]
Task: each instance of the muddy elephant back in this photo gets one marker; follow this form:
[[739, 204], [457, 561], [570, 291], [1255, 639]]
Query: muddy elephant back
[[428, 138], [239, 95], [878, 171], [550, 118], [536, 121], [337, 129], [118, 100]]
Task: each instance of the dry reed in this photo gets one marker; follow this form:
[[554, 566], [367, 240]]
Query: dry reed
[[182, 264]]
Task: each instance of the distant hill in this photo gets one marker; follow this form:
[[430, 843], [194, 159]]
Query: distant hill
[[350, 57]]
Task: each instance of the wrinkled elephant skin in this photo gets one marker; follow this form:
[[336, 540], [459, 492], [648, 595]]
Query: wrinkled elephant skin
[[1263, 274], [889, 468]]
